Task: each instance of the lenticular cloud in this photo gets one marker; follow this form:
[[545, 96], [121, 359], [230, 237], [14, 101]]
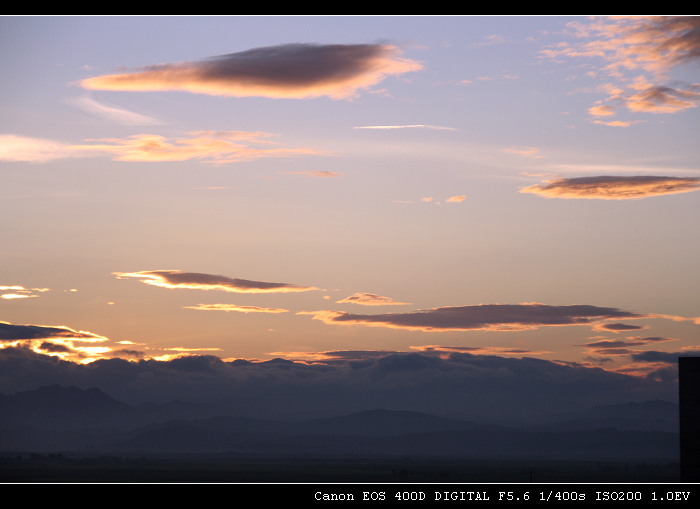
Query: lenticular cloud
[[614, 188], [199, 281], [284, 71]]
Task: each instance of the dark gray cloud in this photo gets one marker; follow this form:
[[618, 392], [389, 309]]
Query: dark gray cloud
[[614, 187], [200, 281], [617, 327], [10, 332], [284, 71], [502, 317]]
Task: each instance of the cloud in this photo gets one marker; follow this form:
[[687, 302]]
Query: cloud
[[199, 281], [524, 151], [286, 71], [19, 292], [370, 299], [314, 174], [457, 383], [602, 110], [216, 147], [10, 332], [617, 327], [614, 187], [654, 44], [9, 296], [234, 307], [113, 113], [456, 199], [652, 98], [477, 350], [622, 347], [59, 341], [16, 148], [409, 126], [495, 317]]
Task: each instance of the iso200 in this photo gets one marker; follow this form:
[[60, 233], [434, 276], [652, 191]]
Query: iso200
[[618, 495]]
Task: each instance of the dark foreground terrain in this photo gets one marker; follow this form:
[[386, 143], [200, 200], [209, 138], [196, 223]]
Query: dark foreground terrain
[[227, 468]]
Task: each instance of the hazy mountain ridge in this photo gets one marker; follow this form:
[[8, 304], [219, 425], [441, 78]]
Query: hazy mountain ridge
[[57, 418]]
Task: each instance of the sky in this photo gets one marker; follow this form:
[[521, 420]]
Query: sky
[[187, 200]]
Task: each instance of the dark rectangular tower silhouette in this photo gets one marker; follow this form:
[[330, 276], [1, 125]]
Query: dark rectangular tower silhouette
[[689, 399]]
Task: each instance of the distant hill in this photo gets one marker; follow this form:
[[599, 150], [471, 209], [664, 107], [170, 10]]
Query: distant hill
[[55, 418]]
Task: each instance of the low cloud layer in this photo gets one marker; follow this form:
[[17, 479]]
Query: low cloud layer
[[497, 317], [614, 187], [199, 281], [285, 71], [456, 383]]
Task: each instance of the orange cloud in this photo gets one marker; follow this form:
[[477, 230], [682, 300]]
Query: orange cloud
[[32, 150], [652, 43], [370, 299], [216, 147], [601, 111], [199, 281], [456, 199], [234, 307], [614, 188], [55, 340], [524, 151], [286, 71], [655, 44], [652, 98]]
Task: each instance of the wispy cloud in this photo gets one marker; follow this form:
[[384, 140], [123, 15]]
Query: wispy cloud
[[214, 147], [285, 71], [20, 292], [314, 174], [234, 307], [17, 148], [614, 187], [199, 281], [113, 113], [477, 350], [370, 299], [409, 126], [524, 151], [622, 347], [496, 317]]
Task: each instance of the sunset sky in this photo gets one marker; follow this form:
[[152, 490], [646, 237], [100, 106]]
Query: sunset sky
[[336, 189]]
